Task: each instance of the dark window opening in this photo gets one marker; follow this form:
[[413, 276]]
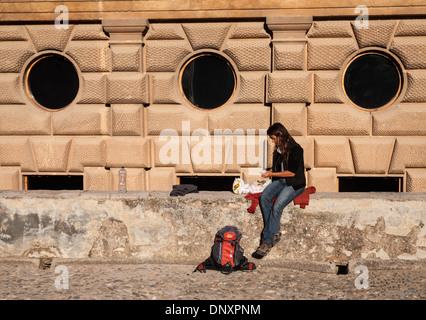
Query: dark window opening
[[52, 82], [370, 184], [207, 81], [342, 269], [372, 80], [210, 183], [54, 182]]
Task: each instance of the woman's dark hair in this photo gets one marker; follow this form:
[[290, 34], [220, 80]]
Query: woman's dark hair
[[278, 130]]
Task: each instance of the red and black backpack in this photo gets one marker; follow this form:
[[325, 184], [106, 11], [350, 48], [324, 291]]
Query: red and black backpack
[[226, 254]]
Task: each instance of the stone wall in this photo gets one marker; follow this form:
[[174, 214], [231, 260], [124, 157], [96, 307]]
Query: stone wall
[[156, 227], [288, 69], [16, 10]]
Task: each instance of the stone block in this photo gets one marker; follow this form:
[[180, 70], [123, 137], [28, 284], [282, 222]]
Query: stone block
[[196, 33], [240, 152], [165, 56], [172, 151], [126, 58], [327, 88], [411, 51], [307, 145], [165, 31], [292, 116], [416, 180], [338, 119], [10, 89], [378, 33], [14, 54], [10, 178], [329, 54], [289, 87], [249, 30], [164, 89], [416, 87], [82, 120], [48, 37], [289, 56], [249, 55], [91, 56], [93, 88], [127, 120], [249, 176], [371, 155], [401, 120], [130, 152], [129, 87], [161, 179], [135, 179], [176, 119], [89, 32], [31, 120], [96, 178], [13, 33], [415, 27], [324, 179], [333, 152], [51, 153], [16, 151], [409, 152], [207, 154], [87, 152], [252, 87], [330, 29], [250, 119]]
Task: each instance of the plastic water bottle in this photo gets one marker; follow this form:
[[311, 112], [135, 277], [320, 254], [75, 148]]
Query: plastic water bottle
[[122, 175]]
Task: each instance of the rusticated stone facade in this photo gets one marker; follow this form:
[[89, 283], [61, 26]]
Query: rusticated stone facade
[[288, 69]]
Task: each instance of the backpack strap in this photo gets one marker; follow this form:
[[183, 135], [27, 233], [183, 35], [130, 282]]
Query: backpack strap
[[247, 266], [207, 264]]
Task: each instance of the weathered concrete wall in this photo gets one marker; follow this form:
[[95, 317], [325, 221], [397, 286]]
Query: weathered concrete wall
[[154, 226]]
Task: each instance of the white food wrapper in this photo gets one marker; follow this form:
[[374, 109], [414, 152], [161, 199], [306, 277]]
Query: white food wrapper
[[239, 187], [258, 186]]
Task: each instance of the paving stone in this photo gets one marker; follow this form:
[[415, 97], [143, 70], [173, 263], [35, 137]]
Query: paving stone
[[109, 281]]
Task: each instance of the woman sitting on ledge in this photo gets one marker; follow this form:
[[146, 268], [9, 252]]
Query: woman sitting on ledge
[[288, 182]]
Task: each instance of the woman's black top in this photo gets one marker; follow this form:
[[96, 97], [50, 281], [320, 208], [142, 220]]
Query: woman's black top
[[294, 164]]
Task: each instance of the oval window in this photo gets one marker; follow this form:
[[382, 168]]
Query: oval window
[[372, 80], [207, 81], [52, 82]]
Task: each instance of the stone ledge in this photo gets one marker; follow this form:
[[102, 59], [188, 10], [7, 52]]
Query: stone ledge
[[206, 195], [334, 228]]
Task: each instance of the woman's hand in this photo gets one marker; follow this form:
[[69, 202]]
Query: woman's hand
[[282, 174], [267, 174]]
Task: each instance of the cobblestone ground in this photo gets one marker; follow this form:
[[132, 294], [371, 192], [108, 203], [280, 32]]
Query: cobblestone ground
[[26, 281]]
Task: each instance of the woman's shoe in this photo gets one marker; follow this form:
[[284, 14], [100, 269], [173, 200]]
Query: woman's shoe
[[262, 250], [276, 238]]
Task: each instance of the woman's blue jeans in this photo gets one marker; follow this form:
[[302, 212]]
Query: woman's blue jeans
[[272, 212]]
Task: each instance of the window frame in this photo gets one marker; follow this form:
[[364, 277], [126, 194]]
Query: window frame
[[396, 64], [201, 54], [32, 62]]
